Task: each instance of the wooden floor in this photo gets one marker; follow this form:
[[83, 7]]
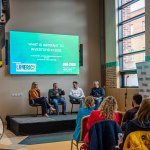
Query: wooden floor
[[54, 146], [10, 141]]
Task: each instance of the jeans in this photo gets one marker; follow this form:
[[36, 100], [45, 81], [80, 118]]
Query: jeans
[[77, 99], [44, 104], [59, 100], [97, 103]]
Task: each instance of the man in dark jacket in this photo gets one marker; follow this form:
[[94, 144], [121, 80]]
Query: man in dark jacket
[[55, 95], [130, 114], [98, 93]]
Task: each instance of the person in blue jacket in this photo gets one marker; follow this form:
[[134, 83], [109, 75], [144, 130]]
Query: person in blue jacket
[[89, 106]]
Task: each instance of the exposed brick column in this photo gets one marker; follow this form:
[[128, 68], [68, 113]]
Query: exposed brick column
[[112, 75]]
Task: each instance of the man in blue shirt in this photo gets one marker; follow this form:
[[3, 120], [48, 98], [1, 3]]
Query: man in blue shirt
[[98, 93]]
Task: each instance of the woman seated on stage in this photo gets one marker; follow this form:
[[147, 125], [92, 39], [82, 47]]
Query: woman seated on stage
[[106, 111], [89, 106], [35, 95]]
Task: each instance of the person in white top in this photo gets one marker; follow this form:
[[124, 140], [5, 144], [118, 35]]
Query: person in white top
[[77, 94]]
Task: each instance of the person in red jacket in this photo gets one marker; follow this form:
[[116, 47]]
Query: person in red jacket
[[106, 111]]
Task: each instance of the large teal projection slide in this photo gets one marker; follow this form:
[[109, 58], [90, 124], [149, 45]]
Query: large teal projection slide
[[38, 53]]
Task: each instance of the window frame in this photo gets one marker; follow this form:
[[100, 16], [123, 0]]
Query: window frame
[[121, 22]]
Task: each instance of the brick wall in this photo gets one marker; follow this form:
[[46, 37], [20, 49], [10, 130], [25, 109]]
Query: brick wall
[[111, 77], [112, 74]]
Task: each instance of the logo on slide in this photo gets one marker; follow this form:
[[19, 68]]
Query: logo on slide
[[25, 67]]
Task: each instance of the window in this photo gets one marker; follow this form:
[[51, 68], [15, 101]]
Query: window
[[143, 25], [131, 29], [131, 39]]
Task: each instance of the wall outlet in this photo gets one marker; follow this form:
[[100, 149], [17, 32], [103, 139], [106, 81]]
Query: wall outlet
[[17, 94]]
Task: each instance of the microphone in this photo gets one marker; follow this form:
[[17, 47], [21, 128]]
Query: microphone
[[126, 93]]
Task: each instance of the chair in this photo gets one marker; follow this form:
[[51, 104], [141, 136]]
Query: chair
[[139, 140], [73, 102], [120, 119], [32, 103], [83, 132], [103, 135], [1, 127]]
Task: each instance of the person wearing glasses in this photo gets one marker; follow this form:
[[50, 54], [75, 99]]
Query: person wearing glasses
[[37, 97]]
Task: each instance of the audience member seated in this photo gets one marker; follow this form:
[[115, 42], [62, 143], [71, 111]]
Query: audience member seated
[[56, 96], [141, 121], [137, 140], [106, 111], [77, 94], [130, 114], [89, 103], [104, 135], [36, 96], [98, 93]]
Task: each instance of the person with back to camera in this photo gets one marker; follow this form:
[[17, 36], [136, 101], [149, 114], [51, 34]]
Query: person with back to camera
[[141, 121], [106, 111], [130, 114], [36, 96], [56, 95], [98, 93], [77, 94], [89, 103]]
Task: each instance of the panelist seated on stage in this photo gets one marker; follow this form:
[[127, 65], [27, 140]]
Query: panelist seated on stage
[[98, 94], [56, 97], [77, 94], [37, 97]]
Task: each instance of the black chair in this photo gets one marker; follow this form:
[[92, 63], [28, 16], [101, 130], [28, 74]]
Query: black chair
[[33, 104], [73, 102]]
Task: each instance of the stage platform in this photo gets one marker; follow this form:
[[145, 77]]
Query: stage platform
[[29, 124]]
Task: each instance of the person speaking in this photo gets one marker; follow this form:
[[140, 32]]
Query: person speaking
[[56, 96]]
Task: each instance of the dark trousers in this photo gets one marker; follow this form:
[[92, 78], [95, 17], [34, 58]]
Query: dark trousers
[[44, 104]]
